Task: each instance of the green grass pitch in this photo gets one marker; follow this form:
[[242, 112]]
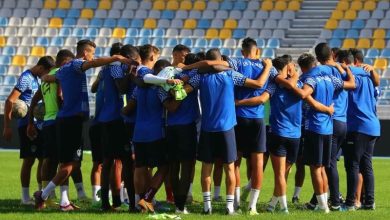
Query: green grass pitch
[[10, 196]]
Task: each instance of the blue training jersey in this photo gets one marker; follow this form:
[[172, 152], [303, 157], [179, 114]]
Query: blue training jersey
[[324, 87], [251, 69], [286, 111], [113, 100], [217, 99], [362, 116], [99, 99], [27, 85], [73, 81]]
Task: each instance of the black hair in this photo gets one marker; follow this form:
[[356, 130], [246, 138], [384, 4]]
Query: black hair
[[115, 48], [323, 52], [160, 65], [146, 51], [129, 51], [47, 62], [279, 63], [224, 57], [335, 50], [288, 57], [306, 60], [191, 58], [345, 56], [83, 43], [357, 55], [213, 54], [201, 55], [248, 43], [62, 55], [181, 47]]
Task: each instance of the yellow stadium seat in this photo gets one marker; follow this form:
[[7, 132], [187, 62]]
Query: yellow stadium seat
[[363, 43], [350, 15], [267, 6], [150, 23], [172, 5], [38, 51], [87, 13], [159, 5], [356, 5], [105, 4], [331, 24], [190, 24], [186, 5], [211, 33], [199, 5], [379, 44], [370, 5], [294, 5], [380, 63], [379, 33], [343, 5], [119, 33], [349, 43], [50, 4], [225, 34], [280, 5], [2, 41], [230, 24], [64, 4], [337, 14], [55, 23], [19, 60]]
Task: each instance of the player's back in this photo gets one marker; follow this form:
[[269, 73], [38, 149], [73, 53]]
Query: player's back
[[50, 97]]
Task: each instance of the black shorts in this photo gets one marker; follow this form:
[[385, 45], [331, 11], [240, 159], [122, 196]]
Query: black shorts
[[250, 136], [181, 142], [150, 154], [302, 142], [70, 139], [267, 141], [96, 142], [129, 129], [284, 147], [114, 140], [30, 148], [50, 149], [217, 145], [317, 149]]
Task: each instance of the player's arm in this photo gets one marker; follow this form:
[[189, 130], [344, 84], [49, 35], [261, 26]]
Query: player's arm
[[31, 131], [130, 107], [374, 75], [254, 101], [104, 61], [171, 104], [349, 83], [49, 78], [290, 82], [262, 79], [13, 96], [205, 64], [158, 80], [95, 84], [319, 106], [304, 92], [60, 97]]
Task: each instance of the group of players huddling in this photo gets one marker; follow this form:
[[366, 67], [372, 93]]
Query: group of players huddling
[[145, 120]]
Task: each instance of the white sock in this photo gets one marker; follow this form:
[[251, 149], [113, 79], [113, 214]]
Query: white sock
[[53, 195], [190, 190], [95, 189], [124, 196], [207, 201], [217, 191], [326, 196], [297, 191], [64, 200], [321, 201], [26, 194], [47, 190], [274, 201], [230, 203], [283, 202], [237, 194], [253, 197], [39, 186], [80, 190], [249, 185]]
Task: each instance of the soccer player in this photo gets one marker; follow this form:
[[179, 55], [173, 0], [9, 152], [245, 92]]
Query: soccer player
[[74, 111], [217, 139], [24, 90], [363, 129]]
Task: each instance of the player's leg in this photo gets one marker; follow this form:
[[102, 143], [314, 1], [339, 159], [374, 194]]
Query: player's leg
[[128, 165], [359, 191], [77, 178], [205, 180], [97, 159], [28, 160], [279, 167], [237, 189], [300, 171], [230, 186], [217, 180], [367, 171]]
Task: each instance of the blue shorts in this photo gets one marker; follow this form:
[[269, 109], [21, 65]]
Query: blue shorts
[[150, 154], [284, 147], [250, 136], [217, 145], [181, 142], [317, 149]]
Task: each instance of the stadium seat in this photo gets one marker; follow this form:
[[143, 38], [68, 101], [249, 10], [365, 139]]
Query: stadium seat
[[172, 5], [349, 43], [105, 32], [199, 5], [225, 34], [123, 22], [248, 14], [105, 4], [64, 4], [92, 32], [180, 14], [23, 31], [141, 14], [200, 43], [93, 4], [2, 41], [187, 42], [243, 24], [350, 15], [280, 5], [171, 42], [10, 80], [3, 71], [23, 4], [28, 22], [267, 5], [273, 43], [177, 23], [379, 34], [50, 4], [204, 23], [100, 13], [235, 14], [372, 53], [195, 14], [385, 53], [145, 32], [150, 23], [119, 33], [19, 13], [222, 14], [38, 51], [32, 13], [215, 43], [331, 24], [211, 33], [378, 14], [9, 50], [185, 33], [385, 23], [358, 24], [257, 24], [212, 5], [378, 43], [137, 23], [264, 33], [230, 24], [190, 24], [339, 34], [185, 5], [79, 4], [252, 33], [57, 42], [109, 23], [226, 5], [369, 5], [380, 63], [217, 23], [129, 40], [37, 31], [127, 14], [372, 23], [60, 13], [268, 53], [363, 43], [158, 32], [364, 14], [279, 33], [172, 33], [100, 42], [230, 43], [24, 51], [78, 32], [10, 31], [365, 33], [114, 13], [335, 43], [158, 42], [50, 32], [294, 5], [14, 22], [19, 60], [356, 5], [208, 14], [87, 13], [65, 32], [70, 22]]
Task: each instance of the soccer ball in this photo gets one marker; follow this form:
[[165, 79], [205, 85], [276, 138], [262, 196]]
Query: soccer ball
[[19, 109], [39, 111]]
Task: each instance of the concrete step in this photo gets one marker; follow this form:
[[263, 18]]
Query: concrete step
[[304, 31], [310, 14], [300, 42]]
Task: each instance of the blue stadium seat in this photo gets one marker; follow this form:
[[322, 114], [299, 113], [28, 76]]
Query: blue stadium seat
[[352, 33], [65, 32], [123, 22], [372, 53], [386, 53], [200, 43], [187, 42], [78, 32], [240, 5], [99, 51], [73, 13], [5, 60], [3, 22], [273, 43], [339, 34], [268, 52], [69, 22], [92, 32], [159, 32], [158, 42], [60, 13], [109, 22], [42, 41], [171, 42], [237, 52], [384, 83], [167, 14], [335, 43], [10, 80], [146, 33], [226, 52], [3, 70], [260, 42], [96, 22], [143, 41], [215, 43], [239, 33], [358, 24], [57, 42], [8, 50], [129, 40], [204, 23], [132, 32], [388, 34], [368, 61], [137, 23], [226, 5], [91, 4]]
